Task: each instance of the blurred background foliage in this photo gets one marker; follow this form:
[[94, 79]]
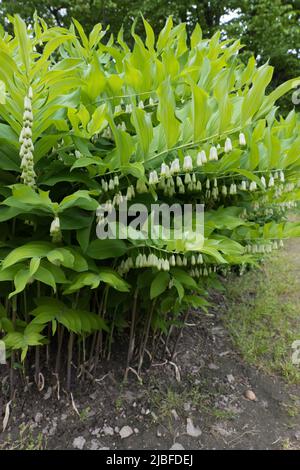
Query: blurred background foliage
[[270, 30]]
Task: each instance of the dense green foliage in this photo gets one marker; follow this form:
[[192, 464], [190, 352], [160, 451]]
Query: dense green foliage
[[269, 30], [86, 121]]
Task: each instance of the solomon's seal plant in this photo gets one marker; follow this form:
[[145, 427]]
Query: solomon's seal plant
[[88, 121]]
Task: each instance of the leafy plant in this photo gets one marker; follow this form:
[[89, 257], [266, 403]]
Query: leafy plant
[[86, 120]]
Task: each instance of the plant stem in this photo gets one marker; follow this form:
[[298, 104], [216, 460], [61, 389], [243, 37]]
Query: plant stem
[[132, 333], [69, 362], [60, 335], [146, 336]]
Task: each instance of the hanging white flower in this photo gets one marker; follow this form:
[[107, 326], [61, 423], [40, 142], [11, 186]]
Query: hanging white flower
[[175, 166], [263, 181], [242, 139], [228, 145], [213, 154], [188, 163], [55, 225], [199, 159], [153, 177], [243, 185]]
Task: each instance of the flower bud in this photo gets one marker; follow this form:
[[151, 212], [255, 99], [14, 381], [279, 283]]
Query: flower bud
[[178, 260], [271, 182], [199, 259], [187, 178], [172, 261], [224, 190], [179, 181]]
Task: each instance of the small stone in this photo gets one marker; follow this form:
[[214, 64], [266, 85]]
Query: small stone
[[63, 417], [174, 414], [230, 378], [212, 366], [250, 395], [38, 418], [117, 429], [186, 406], [125, 432], [94, 445], [136, 430], [191, 429], [297, 435], [177, 446], [79, 442], [108, 431], [96, 432]]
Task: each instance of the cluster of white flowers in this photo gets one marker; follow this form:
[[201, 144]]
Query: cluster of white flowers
[[200, 272], [289, 187], [128, 107], [288, 205], [161, 264], [263, 247], [122, 126], [111, 184], [26, 151], [55, 231], [232, 189]]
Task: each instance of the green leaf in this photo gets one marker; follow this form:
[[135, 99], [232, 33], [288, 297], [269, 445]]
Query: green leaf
[[29, 250], [2, 92], [159, 284], [254, 98], [104, 249], [166, 113]]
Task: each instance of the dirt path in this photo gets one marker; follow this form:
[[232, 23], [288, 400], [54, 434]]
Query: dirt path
[[198, 402]]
